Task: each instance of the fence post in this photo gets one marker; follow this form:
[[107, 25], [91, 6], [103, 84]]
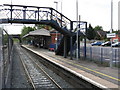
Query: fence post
[[1, 60], [91, 53], [101, 55], [115, 57]]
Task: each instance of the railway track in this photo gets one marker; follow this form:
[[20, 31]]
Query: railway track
[[37, 76]]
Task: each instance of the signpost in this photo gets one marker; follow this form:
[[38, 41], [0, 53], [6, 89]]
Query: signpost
[[111, 35]]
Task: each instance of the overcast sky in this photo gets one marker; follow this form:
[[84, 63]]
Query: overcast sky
[[96, 12]]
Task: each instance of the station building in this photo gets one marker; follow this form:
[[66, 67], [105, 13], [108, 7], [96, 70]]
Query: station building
[[43, 38]]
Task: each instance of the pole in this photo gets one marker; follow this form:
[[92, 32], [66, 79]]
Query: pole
[[1, 60], [77, 28], [77, 10], [79, 39], [111, 16], [61, 6], [11, 2], [56, 16], [111, 32]]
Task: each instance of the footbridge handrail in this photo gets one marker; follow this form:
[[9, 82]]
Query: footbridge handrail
[[9, 13]]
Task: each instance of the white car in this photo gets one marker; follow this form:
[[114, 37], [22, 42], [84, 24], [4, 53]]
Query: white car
[[117, 44]]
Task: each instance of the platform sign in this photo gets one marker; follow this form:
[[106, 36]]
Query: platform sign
[[111, 35]]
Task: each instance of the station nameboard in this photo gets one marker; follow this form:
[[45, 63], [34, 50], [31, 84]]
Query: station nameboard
[[111, 35]]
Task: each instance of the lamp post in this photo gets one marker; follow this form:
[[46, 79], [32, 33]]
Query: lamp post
[[77, 28], [111, 31], [56, 16], [61, 6], [11, 2]]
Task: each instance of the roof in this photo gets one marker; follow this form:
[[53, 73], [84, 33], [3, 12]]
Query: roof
[[39, 32], [42, 32], [101, 33]]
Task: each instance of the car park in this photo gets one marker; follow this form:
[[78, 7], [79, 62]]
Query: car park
[[117, 44], [96, 43]]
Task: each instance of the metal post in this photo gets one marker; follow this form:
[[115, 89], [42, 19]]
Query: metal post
[[85, 41], [101, 55], [24, 13], [71, 42], [35, 15], [61, 6], [51, 13], [65, 49], [1, 60], [91, 53], [77, 28], [38, 14], [111, 32], [61, 20], [71, 54], [111, 15], [115, 57], [79, 39], [77, 10], [56, 16], [11, 12]]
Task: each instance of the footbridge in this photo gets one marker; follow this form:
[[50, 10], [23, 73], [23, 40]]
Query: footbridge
[[37, 15], [43, 15]]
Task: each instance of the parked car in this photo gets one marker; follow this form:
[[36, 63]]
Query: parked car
[[108, 43], [96, 43], [117, 44]]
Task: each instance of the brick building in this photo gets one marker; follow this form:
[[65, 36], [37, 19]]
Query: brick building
[[116, 39], [53, 36]]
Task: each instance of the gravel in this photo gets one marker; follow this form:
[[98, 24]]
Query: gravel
[[18, 78], [57, 78]]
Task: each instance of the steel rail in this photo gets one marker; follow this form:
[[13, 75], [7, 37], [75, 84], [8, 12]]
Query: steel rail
[[45, 73], [27, 72]]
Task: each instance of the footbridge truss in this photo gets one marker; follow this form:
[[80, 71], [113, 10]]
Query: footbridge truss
[[37, 15]]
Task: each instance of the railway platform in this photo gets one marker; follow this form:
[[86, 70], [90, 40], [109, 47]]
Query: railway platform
[[100, 76]]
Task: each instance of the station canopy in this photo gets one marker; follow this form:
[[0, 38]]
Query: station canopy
[[39, 32]]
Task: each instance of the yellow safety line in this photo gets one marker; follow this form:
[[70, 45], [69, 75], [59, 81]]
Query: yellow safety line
[[93, 70]]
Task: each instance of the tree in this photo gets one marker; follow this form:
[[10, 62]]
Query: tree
[[40, 26], [26, 30], [100, 34], [90, 33], [98, 28]]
